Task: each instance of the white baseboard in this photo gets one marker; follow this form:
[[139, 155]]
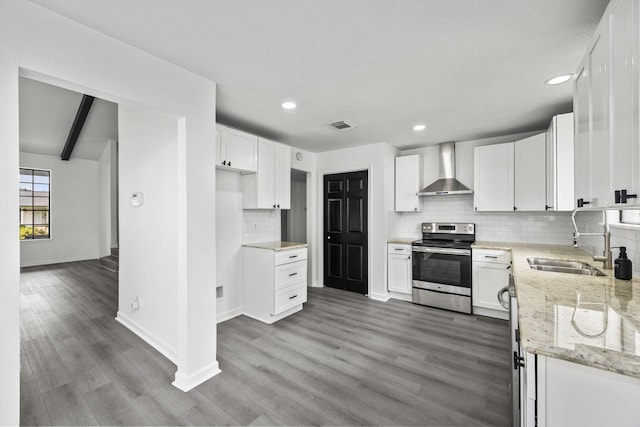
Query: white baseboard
[[496, 314], [187, 382], [316, 285], [401, 296], [229, 314], [57, 261], [379, 297], [151, 339]]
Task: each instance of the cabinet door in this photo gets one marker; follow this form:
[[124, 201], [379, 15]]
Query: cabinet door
[[601, 193], [408, 175], [550, 161], [623, 44], [239, 149], [488, 279], [563, 170], [399, 273], [282, 177], [493, 177], [582, 141], [266, 175], [530, 171]]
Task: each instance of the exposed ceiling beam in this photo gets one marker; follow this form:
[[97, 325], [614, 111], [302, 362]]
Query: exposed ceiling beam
[[76, 127]]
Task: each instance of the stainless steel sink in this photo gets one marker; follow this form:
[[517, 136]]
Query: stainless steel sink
[[563, 266]]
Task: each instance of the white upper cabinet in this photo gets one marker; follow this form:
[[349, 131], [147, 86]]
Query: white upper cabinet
[[606, 94], [494, 177], [408, 174], [236, 150], [270, 187], [601, 194], [283, 176], [560, 170], [582, 140], [624, 43], [530, 170]]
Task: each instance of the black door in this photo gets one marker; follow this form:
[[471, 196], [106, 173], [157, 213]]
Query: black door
[[345, 231]]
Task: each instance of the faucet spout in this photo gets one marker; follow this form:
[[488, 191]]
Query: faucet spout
[[606, 258]]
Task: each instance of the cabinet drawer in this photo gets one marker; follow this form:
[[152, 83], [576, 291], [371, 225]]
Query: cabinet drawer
[[491, 255], [288, 274], [293, 255], [289, 297], [395, 248]]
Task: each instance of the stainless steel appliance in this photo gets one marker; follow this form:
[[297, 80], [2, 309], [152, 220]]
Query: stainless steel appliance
[[442, 266]]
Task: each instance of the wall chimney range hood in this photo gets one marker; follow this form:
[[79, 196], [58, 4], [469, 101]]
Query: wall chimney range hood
[[447, 184]]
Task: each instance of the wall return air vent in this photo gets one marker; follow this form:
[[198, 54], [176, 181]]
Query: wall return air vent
[[342, 125]]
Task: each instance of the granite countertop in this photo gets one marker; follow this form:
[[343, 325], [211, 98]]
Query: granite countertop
[[402, 240], [276, 246], [590, 320]]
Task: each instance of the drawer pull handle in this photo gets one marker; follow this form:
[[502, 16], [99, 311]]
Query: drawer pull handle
[[293, 256], [491, 256], [399, 249], [295, 296], [292, 274]]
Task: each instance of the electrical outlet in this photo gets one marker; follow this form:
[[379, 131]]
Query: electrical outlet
[[255, 226], [135, 305]]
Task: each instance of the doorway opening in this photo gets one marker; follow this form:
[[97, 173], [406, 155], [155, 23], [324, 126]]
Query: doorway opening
[[345, 198], [293, 227]]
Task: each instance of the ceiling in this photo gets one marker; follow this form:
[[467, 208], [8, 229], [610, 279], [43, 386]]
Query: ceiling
[[467, 69], [47, 113]]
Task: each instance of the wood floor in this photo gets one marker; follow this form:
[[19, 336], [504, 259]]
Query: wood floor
[[343, 360]]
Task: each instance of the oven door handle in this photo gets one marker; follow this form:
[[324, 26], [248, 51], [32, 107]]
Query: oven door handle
[[441, 250], [503, 302]]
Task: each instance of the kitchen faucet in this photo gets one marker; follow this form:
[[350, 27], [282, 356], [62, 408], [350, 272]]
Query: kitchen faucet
[[606, 258]]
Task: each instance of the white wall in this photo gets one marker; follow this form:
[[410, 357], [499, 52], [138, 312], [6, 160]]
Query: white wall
[[297, 226], [229, 225], [113, 164], [309, 163], [379, 160], [149, 233], [40, 44], [105, 202], [74, 212]]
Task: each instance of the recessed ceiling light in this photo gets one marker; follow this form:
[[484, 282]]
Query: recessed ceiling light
[[418, 128], [289, 105], [560, 79]]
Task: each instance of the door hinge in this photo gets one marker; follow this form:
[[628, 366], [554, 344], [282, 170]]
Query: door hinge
[[518, 362]]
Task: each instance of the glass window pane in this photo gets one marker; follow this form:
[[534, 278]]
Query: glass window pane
[[26, 232], [41, 187], [41, 202], [630, 216], [41, 217], [42, 179], [41, 232]]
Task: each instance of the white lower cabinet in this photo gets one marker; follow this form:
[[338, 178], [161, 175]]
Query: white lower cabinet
[[568, 394], [490, 274], [399, 269], [274, 282]]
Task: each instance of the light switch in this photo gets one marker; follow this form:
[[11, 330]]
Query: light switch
[[137, 199]]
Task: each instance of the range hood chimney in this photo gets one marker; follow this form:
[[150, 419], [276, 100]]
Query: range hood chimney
[[447, 184]]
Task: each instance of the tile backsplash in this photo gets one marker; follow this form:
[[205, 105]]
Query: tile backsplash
[[526, 227], [260, 226]]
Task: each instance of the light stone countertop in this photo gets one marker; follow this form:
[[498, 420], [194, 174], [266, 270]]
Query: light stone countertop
[[276, 246], [402, 240], [604, 330]]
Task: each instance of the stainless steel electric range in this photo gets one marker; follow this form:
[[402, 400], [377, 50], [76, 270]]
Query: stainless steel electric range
[[442, 266]]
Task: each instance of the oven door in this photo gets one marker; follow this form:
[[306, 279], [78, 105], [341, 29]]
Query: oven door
[[442, 265]]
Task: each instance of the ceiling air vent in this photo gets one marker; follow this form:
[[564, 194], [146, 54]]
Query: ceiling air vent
[[342, 125]]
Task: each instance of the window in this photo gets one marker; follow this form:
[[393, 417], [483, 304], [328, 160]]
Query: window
[[35, 204], [631, 216]]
